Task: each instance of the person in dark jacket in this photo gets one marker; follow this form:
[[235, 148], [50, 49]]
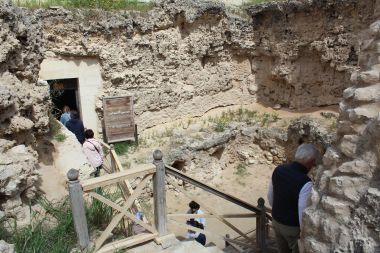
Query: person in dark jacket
[[288, 194], [75, 125]]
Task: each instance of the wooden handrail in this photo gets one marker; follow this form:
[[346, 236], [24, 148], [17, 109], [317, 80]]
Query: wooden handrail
[[178, 174], [93, 183], [205, 215], [104, 144]]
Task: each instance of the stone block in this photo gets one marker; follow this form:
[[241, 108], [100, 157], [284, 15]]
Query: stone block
[[369, 77], [358, 168], [348, 187], [339, 208], [374, 28], [366, 94], [354, 77], [345, 127], [311, 245], [6, 248], [363, 113], [349, 92], [330, 157], [348, 145]]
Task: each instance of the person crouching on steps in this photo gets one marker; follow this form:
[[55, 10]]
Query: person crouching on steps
[[197, 222], [93, 151]]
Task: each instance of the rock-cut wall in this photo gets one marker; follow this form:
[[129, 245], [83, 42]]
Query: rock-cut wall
[[186, 57], [23, 109], [345, 212]]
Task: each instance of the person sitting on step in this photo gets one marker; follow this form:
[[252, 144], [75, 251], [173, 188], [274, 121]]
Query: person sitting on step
[[196, 222]]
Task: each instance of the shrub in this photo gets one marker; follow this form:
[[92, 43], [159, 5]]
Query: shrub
[[122, 148], [60, 137], [41, 235]]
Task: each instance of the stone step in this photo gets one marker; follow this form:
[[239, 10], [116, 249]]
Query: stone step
[[179, 247]]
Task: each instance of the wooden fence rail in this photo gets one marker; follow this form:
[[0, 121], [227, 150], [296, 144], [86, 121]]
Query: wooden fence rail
[[156, 171]]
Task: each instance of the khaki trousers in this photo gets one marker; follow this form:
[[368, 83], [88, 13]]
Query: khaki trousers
[[286, 237]]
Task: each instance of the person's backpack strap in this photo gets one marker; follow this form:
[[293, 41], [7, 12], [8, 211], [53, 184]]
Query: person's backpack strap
[[97, 150]]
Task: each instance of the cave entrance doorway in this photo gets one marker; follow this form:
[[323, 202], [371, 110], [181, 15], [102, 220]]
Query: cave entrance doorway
[[64, 92]]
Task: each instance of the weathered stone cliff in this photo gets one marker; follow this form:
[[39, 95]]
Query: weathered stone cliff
[[345, 212], [23, 108], [187, 57]]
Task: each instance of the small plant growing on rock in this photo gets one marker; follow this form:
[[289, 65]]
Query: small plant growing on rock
[[241, 170], [60, 137]]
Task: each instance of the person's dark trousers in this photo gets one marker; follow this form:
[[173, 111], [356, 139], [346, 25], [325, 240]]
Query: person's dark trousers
[[201, 239], [97, 171], [286, 237]]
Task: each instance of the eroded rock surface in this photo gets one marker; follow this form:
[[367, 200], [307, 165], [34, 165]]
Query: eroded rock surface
[[23, 109], [344, 216], [187, 57]]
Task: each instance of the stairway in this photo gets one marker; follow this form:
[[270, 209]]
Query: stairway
[[179, 247]]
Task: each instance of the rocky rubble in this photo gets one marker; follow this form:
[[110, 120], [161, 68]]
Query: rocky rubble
[[23, 109], [344, 216], [205, 155]]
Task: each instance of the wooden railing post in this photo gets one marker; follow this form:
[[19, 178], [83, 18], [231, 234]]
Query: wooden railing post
[[261, 226], [159, 193], [112, 159], [77, 207]]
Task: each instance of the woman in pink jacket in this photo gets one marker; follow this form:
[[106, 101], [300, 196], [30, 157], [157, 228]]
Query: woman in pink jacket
[[93, 151]]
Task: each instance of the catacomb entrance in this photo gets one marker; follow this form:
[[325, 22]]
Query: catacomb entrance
[[64, 92]]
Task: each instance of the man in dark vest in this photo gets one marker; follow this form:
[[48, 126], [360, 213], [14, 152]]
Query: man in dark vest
[[288, 194]]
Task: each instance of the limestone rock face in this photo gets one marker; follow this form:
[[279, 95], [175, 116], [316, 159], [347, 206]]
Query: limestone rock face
[[187, 57], [346, 196], [23, 109]]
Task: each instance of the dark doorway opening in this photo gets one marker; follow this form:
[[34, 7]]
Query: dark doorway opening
[[64, 92]]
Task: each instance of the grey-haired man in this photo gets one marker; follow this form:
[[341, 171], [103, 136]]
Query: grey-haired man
[[288, 194]]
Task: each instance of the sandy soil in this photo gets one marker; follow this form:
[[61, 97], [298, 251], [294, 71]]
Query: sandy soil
[[52, 183], [247, 187]]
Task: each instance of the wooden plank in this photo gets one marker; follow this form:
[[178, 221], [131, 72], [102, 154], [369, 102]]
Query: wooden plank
[[127, 243], [104, 144], [107, 232], [240, 243], [159, 194], [210, 210], [235, 215], [125, 186], [119, 118], [122, 210], [93, 183]]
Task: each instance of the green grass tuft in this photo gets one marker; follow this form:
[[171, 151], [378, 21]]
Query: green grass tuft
[[133, 5], [123, 147], [60, 137], [241, 171]]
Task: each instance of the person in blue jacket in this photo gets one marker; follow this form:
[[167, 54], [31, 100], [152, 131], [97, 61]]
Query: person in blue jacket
[[65, 115], [75, 125]]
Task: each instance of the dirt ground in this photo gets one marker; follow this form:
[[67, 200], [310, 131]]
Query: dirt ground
[[247, 187]]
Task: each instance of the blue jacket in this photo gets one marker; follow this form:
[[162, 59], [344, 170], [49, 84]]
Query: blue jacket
[[64, 118], [76, 127]]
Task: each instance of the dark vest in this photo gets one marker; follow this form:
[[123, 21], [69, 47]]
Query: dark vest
[[288, 180]]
